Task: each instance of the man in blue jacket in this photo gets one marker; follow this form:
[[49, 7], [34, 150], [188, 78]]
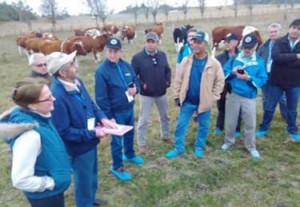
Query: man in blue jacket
[[115, 88], [245, 76], [265, 51], [75, 117], [284, 78], [154, 74]]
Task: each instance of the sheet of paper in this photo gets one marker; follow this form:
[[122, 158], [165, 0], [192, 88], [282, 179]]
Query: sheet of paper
[[120, 131]]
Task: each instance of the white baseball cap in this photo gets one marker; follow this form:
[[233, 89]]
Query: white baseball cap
[[56, 60]]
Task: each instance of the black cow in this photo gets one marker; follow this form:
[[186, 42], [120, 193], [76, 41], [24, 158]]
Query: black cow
[[180, 35]]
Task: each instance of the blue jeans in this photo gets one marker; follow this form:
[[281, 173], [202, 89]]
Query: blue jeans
[[185, 114], [282, 101], [85, 169], [117, 142], [292, 98]]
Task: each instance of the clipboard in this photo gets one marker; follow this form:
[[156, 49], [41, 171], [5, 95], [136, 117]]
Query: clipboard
[[120, 131]]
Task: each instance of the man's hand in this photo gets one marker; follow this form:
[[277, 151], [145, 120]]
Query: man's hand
[[132, 90], [109, 123], [177, 102], [244, 76]]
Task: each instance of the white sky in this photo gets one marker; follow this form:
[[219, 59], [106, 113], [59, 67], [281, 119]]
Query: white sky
[[77, 6]]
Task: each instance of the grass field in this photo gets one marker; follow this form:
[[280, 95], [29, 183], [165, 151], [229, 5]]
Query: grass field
[[229, 179]]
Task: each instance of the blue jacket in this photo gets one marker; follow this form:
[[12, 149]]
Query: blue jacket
[[70, 116], [53, 160], [285, 71], [184, 51], [246, 88], [112, 82], [155, 78]]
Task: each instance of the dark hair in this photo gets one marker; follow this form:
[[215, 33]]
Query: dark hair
[[296, 23], [28, 91]]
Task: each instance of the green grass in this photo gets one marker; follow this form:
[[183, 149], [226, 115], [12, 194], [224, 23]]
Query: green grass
[[229, 179]]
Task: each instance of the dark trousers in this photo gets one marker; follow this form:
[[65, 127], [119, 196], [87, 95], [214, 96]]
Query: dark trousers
[[53, 201], [221, 111]]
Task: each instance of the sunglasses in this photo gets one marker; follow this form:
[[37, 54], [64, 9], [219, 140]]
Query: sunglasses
[[41, 65]]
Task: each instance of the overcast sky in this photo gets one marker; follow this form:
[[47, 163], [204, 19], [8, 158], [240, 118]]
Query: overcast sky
[[77, 6]]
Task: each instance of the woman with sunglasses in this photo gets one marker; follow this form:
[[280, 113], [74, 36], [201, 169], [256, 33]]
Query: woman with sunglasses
[[40, 164]]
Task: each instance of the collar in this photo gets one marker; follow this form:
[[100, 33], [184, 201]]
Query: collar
[[247, 60], [149, 54], [70, 86]]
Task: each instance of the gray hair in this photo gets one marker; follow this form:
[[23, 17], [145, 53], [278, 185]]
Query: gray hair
[[275, 26], [34, 57]]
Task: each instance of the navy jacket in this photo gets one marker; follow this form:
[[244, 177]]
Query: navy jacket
[[285, 71], [156, 78], [70, 116], [112, 82]]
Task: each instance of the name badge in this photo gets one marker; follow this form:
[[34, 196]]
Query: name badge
[[129, 97], [91, 123]]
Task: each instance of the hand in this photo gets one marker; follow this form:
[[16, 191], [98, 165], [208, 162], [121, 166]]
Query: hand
[[132, 90], [235, 70], [177, 102], [109, 123], [100, 132], [244, 76]]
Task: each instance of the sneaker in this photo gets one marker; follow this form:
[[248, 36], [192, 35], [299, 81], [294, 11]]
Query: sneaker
[[261, 133], [295, 137], [121, 174], [173, 154], [225, 147], [237, 134], [199, 152], [168, 141], [138, 160], [142, 149], [217, 132], [100, 202], [254, 154]]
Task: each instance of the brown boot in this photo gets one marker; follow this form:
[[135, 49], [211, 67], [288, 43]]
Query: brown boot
[[168, 141], [142, 149]]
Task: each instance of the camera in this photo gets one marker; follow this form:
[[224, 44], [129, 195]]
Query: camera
[[131, 85], [241, 71]]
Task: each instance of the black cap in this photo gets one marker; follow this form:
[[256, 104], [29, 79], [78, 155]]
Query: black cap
[[113, 43], [249, 41], [230, 36]]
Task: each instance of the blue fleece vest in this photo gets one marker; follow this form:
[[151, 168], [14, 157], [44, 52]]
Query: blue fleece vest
[[53, 160]]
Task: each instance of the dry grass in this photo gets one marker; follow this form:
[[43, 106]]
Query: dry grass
[[221, 179]]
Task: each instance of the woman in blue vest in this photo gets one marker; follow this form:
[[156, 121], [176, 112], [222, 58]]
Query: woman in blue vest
[[40, 164]]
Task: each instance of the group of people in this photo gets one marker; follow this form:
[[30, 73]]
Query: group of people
[[53, 129]]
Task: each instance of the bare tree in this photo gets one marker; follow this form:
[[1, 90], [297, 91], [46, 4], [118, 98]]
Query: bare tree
[[49, 9], [166, 8], [185, 8], [250, 7], [145, 9], [153, 5], [98, 9], [25, 13], [201, 7], [235, 7], [135, 12]]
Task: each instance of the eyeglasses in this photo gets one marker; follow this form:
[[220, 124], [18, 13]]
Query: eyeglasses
[[154, 61], [41, 65], [50, 98]]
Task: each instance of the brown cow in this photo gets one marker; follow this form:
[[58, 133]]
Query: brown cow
[[21, 40], [158, 28], [48, 46], [33, 44], [111, 29], [219, 33], [95, 44], [70, 45], [49, 36], [128, 32], [79, 32]]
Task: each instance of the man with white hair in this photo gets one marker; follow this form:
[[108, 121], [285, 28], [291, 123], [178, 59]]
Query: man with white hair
[[75, 116], [38, 65], [198, 84], [265, 51]]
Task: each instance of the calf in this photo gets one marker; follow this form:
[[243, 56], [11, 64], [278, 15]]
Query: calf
[[128, 32]]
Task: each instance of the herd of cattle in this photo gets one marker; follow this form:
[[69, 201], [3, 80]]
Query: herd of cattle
[[94, 39]]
